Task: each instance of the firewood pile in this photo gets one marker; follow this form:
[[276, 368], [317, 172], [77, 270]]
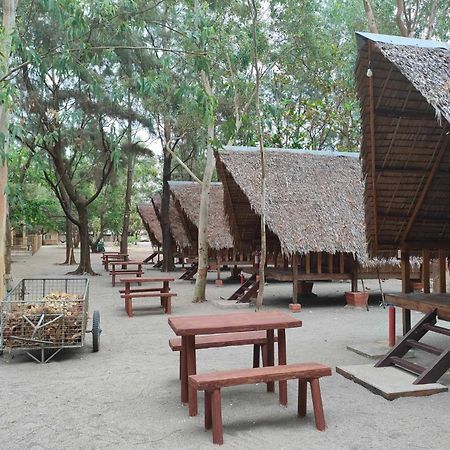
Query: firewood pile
[[55, 321]]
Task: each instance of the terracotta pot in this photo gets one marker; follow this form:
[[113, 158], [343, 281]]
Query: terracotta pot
[[219, 282], [357, 299], [295, 307], [417, 286]]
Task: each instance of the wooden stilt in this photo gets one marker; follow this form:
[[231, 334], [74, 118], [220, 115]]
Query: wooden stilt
[[406, 288], [319, 262], [295, 278], [308, 263], [426, 271], [330, 263], [442, 271]]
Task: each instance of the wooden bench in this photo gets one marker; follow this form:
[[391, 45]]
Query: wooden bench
[[166, 299], [256, 338], [211, 383]]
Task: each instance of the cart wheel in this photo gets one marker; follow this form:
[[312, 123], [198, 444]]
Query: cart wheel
[[96, 331]]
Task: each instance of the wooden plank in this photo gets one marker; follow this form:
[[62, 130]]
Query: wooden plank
[[258, 375], [319, 262], [341, 263], [423, 302]]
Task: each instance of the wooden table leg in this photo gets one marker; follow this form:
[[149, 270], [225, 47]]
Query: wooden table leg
[[216, 413], [317, 404], [183, 369], [270, 358], [302, 385], [208, 417], [191, 370], [164, 289], [282, 362]]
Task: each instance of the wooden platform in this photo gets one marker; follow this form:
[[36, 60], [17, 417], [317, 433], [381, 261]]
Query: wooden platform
[[389, 382], [279, 274], [423, 303]]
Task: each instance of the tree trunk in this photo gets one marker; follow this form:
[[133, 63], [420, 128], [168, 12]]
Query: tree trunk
[[84, 267], [370, 16], [262, 256], [200, 282], [168, 243], [70, 257], [9, 21], [126, 213]]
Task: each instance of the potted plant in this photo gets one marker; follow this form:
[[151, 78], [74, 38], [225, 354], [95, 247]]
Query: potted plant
[[357, 299]]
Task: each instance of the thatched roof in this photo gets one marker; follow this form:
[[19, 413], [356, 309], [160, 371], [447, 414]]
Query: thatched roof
[[151, 222], [187, 197], [177, 228], [405, 149], [150, 219], [314, 200]]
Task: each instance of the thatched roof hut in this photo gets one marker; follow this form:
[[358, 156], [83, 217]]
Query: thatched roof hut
[[151, 223], [404, 90], [187, 201], [314, 199], [150, 213]]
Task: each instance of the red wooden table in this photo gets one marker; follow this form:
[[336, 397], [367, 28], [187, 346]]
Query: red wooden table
[[189, 326], [124, 264]]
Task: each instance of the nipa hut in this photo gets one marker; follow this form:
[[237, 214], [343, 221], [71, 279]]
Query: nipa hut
[[150, 215], [404, 90], [314, 213], [186, 195]]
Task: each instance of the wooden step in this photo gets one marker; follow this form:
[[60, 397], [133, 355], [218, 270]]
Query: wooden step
[[437, 329], [424, 347], [407, 365]]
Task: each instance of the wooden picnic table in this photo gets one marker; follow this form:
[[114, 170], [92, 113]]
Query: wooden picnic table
[[124, 269], [129, 293], [189, 326], [108, 258]]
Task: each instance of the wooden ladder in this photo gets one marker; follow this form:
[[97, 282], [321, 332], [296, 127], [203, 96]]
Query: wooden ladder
[[190, 272], [246, 290], [411, 340], [150, 258]]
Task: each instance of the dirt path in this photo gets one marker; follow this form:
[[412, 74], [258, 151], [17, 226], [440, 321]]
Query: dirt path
[[127, 395]]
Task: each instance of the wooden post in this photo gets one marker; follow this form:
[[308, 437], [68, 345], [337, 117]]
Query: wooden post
[[355, 275], [308, 263], [294, 277], [319, 262], [426, 271], [442, 271], [406, 288], [341, 263], [330, 263]]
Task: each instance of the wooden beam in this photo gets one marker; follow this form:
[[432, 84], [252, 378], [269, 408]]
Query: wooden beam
[[373, 151], [426, 271], [426, 188], [415, 245], [421, 219], [442, 271]]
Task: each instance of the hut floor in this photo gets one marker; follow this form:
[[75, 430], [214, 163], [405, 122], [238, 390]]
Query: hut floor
[[280, 274], [423, 303]]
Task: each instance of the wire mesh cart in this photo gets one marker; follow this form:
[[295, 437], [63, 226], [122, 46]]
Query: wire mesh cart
[[43, 316]]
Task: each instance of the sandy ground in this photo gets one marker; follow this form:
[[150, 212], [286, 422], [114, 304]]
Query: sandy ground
[[127, 395]]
